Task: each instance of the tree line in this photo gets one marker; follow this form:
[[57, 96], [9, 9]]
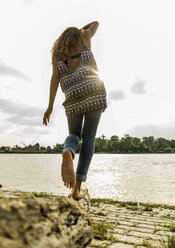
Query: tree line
[[126, 144]]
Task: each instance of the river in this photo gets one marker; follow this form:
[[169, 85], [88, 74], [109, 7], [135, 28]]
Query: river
[[124, 177]]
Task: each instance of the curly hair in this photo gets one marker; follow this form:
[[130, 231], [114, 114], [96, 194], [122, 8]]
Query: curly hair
[[67, 41]]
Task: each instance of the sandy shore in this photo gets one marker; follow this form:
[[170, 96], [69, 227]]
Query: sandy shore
[[123, 224]]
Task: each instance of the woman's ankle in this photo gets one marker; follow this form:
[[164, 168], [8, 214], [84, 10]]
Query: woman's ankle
[[78, 186]]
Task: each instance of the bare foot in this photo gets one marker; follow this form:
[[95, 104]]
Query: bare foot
[[76, 195], [67, 170]]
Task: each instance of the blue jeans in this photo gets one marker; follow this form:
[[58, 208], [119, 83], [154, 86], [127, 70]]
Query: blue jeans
[[87, 132]]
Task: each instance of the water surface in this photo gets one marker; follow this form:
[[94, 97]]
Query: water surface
[[131, 177]]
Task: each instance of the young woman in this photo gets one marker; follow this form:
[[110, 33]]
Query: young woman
[[75, 69]]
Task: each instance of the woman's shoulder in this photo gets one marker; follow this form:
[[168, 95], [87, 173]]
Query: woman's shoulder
[[58, 55]]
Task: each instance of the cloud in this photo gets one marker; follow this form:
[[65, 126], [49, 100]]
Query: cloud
[[3, 126], [164, 130], [33, 130], [8, 106], [25, 121], [6, 70], [28, 1], [20, 135], [22, 114], [138, 87], [117, 95], [22, 122], [7, 87]]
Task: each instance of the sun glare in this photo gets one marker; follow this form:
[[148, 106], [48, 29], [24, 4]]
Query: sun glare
[[101, 75]]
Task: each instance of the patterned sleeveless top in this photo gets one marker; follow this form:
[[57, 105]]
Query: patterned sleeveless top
[[84, 90]]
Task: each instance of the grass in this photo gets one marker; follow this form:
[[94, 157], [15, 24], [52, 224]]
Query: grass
[[112, 238], [172, 227], [122, 204], [134, 208], [147, 208], [97, 201], [146, 244], [135, 224], [101, 231], [170, 243]]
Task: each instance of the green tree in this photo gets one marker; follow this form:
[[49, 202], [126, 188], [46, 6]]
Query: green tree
[[37, 146], [148, 144], [48, 149], [160, 144], [42, 148], [58, 147], [113, 144], [172, 143], [97, 146], [168, 149], [135, 144], [125, 143], [102, 143]]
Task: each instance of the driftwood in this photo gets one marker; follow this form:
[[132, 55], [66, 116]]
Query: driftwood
[[43, 222]]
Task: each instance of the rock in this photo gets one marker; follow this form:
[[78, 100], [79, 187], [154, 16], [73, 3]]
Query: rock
[[84, 202], [43, 223]]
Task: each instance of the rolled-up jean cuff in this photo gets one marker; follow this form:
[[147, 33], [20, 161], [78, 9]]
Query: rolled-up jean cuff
[[80, 177], [70, 149]]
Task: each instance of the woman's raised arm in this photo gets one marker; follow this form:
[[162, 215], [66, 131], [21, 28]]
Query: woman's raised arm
[[90, 28]]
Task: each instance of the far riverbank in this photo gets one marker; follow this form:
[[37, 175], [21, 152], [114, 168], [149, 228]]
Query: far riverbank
[[53, 152]]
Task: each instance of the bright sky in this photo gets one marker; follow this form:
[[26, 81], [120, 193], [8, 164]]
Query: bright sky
[[134, 48]]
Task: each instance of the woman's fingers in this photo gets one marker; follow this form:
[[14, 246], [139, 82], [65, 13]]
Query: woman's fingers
[[45, 123], [46, 118]]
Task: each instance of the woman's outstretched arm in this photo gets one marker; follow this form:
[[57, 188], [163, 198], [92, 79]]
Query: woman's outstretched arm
[[54, 81], [53, 90]]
